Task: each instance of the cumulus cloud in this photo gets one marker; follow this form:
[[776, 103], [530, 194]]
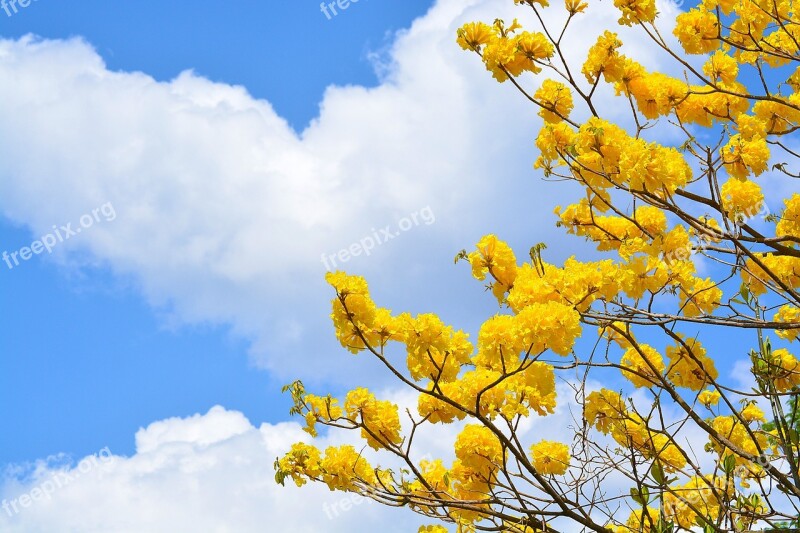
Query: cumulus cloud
[[214, 472], [209, 472], [224, 211]]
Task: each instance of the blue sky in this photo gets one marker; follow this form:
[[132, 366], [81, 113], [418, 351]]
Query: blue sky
[[239, 143], [88, 361], [286, 52]]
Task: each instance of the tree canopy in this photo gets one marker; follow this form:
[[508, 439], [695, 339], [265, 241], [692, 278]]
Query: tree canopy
[[689, 202]]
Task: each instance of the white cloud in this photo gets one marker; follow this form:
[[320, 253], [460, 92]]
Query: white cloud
[[204, 473], [224, 211], [214, 472]]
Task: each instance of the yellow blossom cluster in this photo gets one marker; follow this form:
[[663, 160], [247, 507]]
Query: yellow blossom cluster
[[432, 529], [550, 458], [759, 30], [635, 11], [773, 271], [605, 410], [783, 369], [492, 393], [341, 468], [741, 199], [789, 314], [479, 456], [379, 419], [556, 101], [642, 365], [504, 51], [749, 444], [789, 225], [435, 351], [326, 409], [576, 284], [494, 257], [709, 398], [634, 432], [699, 497], [648, 207], [689, 366]]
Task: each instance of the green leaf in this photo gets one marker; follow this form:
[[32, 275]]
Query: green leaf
[[658, 473], [729, 464], [744, 292], [641, 497]]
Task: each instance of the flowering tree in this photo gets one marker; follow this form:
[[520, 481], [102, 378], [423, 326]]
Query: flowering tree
[[673, 446]]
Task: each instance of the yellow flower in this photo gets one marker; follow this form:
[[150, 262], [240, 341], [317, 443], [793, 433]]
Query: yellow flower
[[777, 116], [353, 310], [575, 6], [752, 413], [534, 46], [432, 529], [555, 99], [435, 351], [784, 369], [319, 408], [604, 409], [548, 326], [496, 258], [301, 463], [635, 11], [613, 334], [380, 419], [642, 520], [499, 346], [604, 59], [751, 127], [479, 449], [681, 501], [741, 199], [743, 157], [789, 225], [709, 398], [788, 314], [553, 142], [473, 35], [550, 457], [436, 410], [690, 368], [703, 297], [342, 466], [642, 366], [737, 433], [721, 66], [697, 30], [785, 268]]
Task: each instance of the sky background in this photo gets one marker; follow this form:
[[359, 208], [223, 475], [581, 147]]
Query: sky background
[[238, 143], [85, 336]]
